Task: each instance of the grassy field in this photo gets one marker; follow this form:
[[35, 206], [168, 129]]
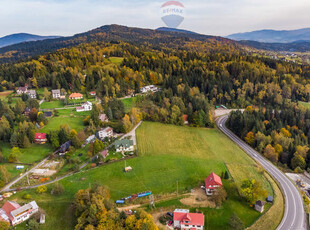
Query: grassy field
[[129, 103], [29, 155], [116, 60], [52, 104], [183, 154], [305, 104], [66, 116]]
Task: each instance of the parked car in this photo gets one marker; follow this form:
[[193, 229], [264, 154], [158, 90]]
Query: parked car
[[170, 214], [170, 223]]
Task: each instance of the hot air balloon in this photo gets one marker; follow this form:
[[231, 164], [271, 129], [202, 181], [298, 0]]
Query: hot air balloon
[[172, 13]]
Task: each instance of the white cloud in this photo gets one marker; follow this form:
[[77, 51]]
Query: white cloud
[[217, 17]]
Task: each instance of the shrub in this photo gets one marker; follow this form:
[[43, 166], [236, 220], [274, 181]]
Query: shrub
[[27, 196], [41, 189], [58, 189]]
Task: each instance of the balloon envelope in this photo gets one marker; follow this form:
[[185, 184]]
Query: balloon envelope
[[172, 13]]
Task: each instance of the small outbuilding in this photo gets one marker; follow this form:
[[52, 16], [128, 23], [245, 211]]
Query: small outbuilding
[[269, 199], [259, 206]]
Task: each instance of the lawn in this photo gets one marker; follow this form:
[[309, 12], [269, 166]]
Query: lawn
[[66, 116], [129, 103], [52, 104], [116, 60], [29, 155], [169, 154], [305, 104]]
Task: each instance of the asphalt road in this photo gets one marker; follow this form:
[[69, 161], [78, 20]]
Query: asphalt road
[[294, 215]]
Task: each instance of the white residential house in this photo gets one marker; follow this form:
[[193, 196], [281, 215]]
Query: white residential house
[[90, 139], [15, 214], [106, 132], [149, 88], [87, 106], [32, 93], [184, 220], [56, 93], [124, 145], [21, 90]]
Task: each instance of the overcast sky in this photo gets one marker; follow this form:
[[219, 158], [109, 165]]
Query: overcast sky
[[214, 17]]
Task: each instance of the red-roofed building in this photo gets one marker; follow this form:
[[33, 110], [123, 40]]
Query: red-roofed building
[[92, 93], [40, 138], [15, 214], [212, 182], [184, 220], [76, 96], [185, 118]]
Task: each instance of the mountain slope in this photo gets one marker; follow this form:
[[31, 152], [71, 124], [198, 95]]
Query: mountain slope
[[109, 33], [167, 29], [273, 36], [22, 37]]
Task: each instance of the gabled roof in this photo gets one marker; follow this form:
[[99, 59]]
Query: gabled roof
[[193, 218], [213, 179], [32, 92], [260, 203], [40, 136], [10, 206], [26, 207], [55, 91], [123, 143], [74, 95]]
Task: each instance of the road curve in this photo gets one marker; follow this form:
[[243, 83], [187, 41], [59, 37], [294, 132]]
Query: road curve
[[294, 214]]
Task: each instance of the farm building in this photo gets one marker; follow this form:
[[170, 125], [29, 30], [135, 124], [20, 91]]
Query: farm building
[[183, 219], [149, 88], [76, 96], [21, 90], [15, 214], [40, 138], [103, 117], [124, 145], [259, 206], [105, 133], [56, 93], [32, 93], [212, 182], [87, 106]]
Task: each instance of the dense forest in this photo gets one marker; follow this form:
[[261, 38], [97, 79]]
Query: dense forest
[[282, 135]]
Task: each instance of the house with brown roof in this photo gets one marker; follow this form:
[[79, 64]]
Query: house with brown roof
[[75, 96]]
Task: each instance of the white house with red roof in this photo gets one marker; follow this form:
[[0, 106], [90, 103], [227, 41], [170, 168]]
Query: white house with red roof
[[40, 138], [106, 132], [184, 220], [15, 214], [212, 182]]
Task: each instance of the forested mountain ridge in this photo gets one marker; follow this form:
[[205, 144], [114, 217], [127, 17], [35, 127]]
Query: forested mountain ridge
[[109, 33], [22, 37]]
